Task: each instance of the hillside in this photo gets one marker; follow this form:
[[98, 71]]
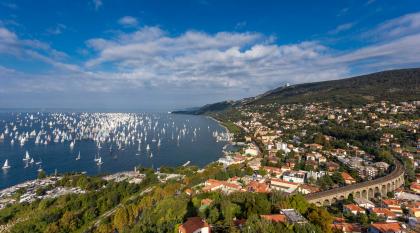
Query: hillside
[[393, 85]]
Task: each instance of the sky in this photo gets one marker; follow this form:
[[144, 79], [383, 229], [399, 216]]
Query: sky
[[165, 55]]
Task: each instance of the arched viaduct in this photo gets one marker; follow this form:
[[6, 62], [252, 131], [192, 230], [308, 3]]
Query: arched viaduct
[[366, 189]]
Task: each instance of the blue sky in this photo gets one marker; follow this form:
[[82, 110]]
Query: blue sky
[[163, 55]]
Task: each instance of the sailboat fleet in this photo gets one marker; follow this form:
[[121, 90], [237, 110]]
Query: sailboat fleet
[[113, 131]]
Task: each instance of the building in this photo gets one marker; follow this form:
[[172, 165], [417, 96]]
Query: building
[[251, 151], [306, 189], [284, 186], [348, 179], [258, 187], [274, 217], [384, 212], [194, 225], [293, 216], [386, 227], [224, 186], [294, 176], [415, 187], [364, 203], [353, 209], [346, 227]]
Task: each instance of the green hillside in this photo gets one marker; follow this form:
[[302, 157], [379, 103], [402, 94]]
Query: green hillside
[[394, 85]]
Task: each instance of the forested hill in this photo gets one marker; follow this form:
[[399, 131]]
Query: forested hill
[[394, 85]]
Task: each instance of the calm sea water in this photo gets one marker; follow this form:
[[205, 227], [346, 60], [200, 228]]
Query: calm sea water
[[196, 143]]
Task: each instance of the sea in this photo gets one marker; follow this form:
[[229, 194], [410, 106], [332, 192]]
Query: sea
[[54, 140]]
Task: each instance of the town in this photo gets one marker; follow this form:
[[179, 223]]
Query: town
[[346, 161]]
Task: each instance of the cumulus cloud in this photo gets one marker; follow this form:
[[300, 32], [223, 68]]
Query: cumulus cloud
[[128, 21], [222, 65]]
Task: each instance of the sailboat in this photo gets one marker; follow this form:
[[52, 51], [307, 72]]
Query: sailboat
[[96, 159], [147, 147], [158, 143], [99, 163], [39, 162], [151, 155], [71, 145], [6, 164], [27, 157], [78, 156], [40, 169], [32, 160]]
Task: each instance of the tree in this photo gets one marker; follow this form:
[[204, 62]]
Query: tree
[[321, 218], [121, 218], [42, 174]]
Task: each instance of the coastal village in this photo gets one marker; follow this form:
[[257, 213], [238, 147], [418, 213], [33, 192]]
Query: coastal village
[[286, 152], [280, 157]]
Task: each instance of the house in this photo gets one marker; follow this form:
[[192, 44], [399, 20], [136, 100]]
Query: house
[[348, 179], [194, 225], [385, 227], [224, 186], [353, 209], [364, 203], [258, 187], [415, 187], [393, 205], [293, 216], [274, 217], [332, 167], [251, 151], [346, 227], [273, 170], [306, 189], [414, 209], [281, 185], [294, 176], [384, 212]]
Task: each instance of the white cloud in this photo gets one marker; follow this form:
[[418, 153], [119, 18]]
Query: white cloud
[[341, 28], [402, 26], [57, 29], [153, 61], [128, 21]]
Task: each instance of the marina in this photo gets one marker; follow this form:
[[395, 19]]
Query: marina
[[103, 143]]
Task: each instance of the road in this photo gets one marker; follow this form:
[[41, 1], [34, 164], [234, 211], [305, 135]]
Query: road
[[112, 211]]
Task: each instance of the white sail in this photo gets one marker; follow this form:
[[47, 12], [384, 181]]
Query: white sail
[[27, 157], [6, 164]]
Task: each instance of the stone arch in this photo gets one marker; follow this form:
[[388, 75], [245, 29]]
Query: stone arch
[[342, 197], [388, 187], [364, 193], [370, 193], [357, 194], [318, 203], [383, 190], [377, 191], [334, 200], [326, 202]]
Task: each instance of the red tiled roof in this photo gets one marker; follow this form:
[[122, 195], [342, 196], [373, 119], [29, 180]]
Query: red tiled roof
[[347, 227], [353, 207], [387, 227], [274, 217], [347, 176], [383, 211], [193, 224], [258, 187]]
